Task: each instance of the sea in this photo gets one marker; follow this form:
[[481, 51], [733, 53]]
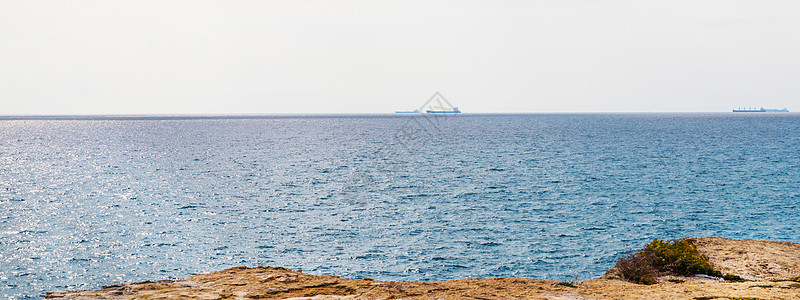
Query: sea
[[87, 201]]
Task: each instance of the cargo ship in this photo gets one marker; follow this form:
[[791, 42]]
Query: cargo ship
[[454, 111], [416, 111], [776, 110], [761, 109]]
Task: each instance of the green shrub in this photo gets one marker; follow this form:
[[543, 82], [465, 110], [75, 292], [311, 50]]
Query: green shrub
[[567, 284], [733, 278], [676, 257], [679, 258]]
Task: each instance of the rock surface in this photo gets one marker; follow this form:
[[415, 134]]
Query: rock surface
[[752, 259], [771, 265]]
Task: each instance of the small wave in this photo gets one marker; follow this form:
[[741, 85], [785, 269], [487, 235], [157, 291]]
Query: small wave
[[411, 196], [456, 266], [190, 206], [593, 228], [491, 244]]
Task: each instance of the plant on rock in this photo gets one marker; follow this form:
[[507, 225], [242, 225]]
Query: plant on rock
[[675, 257]]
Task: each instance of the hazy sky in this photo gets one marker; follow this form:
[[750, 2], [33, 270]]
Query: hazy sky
[[176, 57]]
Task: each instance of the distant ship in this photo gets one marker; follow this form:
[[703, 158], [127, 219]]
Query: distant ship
[[454, 111], [776, 110], [416, 111], [753, 109]]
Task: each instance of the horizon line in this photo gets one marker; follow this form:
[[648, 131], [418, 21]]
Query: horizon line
[[284, 114]]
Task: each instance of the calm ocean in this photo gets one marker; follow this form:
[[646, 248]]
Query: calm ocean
[[97, 201]]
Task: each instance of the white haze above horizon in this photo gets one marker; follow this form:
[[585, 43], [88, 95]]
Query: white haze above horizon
[[265, 57]]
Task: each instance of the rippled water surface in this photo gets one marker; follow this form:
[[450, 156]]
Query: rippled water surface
[[92, 202]]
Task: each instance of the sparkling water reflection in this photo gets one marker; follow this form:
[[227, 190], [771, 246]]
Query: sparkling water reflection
[[90, 202]]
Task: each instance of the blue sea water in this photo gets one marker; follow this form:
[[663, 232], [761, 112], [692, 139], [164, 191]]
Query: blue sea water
[[86, 202]]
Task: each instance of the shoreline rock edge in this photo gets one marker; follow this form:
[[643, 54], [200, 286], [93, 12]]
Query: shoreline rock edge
[[769, 266]]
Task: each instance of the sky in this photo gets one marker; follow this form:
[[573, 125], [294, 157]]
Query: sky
[[512, 56]]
